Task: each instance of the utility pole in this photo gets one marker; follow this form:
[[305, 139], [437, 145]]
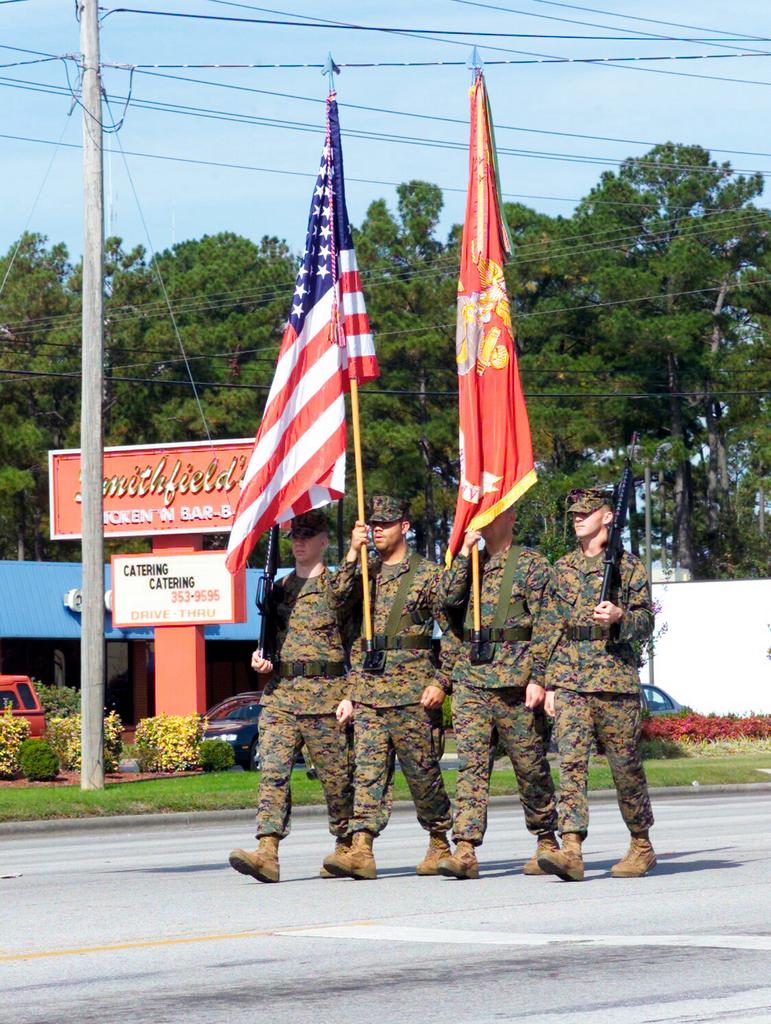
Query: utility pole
[[91, 435]]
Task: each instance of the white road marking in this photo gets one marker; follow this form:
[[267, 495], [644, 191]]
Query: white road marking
[[389, 933]]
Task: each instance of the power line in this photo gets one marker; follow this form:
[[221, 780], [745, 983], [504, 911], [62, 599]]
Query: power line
[[592, 24], [405, 31], [434, 117], [462, 63], [230, 386], [257, 119], [629, 17], [390, 138]]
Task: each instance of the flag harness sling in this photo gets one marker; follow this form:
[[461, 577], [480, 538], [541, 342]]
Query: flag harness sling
[[483, 641]]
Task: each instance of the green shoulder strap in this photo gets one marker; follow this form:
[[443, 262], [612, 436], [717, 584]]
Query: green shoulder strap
[[397, 608], [505, 608]]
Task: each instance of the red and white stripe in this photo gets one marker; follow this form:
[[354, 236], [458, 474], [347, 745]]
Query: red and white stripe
[[298, 462], [361, 361]]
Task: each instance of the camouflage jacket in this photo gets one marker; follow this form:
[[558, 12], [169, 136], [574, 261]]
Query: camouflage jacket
[[515, 662], [310, 623], [601, 665], [407, 672]]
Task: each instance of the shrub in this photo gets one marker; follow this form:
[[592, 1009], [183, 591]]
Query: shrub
[[58, 701], [113, 741], [38, 761], [13, 732], [169, 743], [216, 755], [692, 728], [662, 749], [63, 734]]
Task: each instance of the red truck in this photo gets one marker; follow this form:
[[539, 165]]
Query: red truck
[[20, 693]]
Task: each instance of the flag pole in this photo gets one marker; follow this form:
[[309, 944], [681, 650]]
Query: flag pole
[[331, 69], [360, 504], [475, 589]]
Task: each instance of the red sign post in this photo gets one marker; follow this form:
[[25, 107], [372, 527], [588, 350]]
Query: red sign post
[[174, 494]]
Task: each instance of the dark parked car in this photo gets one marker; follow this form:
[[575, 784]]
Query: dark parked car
[[658, 702], [236, 721]]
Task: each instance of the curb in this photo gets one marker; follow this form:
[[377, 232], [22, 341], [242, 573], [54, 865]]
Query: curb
[[245, 816]]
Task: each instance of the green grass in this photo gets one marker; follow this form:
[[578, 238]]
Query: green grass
[[239, 789]]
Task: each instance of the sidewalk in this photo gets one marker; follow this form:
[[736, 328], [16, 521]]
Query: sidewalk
[[244, 817]]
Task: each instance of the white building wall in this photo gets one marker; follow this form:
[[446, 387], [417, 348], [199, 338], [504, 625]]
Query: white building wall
[[713, 656]]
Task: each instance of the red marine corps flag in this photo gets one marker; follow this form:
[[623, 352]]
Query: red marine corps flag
[[298, 462], [496, 454]]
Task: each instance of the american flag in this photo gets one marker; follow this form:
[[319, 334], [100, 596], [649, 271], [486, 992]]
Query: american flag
[[298, 461]]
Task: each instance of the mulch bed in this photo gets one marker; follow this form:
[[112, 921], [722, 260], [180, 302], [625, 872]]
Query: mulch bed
[[73, 779]]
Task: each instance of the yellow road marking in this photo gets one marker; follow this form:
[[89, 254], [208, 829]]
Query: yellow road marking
[[149, 943]]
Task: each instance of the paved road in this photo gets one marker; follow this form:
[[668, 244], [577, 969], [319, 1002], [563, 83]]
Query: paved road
[[152, 927]]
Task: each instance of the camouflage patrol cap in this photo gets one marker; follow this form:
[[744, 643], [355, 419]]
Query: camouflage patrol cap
[[588, 499], [386, 509], [309, 524]]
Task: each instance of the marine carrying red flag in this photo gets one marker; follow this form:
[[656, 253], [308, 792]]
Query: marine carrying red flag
[[496, 453], [298, 461]]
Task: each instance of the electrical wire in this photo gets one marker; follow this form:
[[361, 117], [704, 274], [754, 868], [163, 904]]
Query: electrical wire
[[34, 204], [432, 117], [230, 386], [389, 138], [405, 31], [639, 33], [162, 284], [446, 268]]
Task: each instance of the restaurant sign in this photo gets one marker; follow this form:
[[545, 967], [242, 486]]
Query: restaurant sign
[[176, 590], [154, 489]]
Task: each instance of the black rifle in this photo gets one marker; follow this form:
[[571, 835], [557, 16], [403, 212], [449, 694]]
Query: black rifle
[[264, 594], [614, 548]]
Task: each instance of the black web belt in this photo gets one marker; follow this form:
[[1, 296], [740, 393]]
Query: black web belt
[[290, 669], [492, 635], [381, 642], [587, 633]]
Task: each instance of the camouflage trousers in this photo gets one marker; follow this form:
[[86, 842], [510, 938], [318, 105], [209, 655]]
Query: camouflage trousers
[[615, 721], [282, 736], [476, 712], [413, 733]]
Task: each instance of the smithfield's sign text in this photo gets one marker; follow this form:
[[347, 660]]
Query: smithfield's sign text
[[152, 489]]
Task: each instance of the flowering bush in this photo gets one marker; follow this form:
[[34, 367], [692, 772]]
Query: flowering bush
[[13, 732], [169, 743], [63, 734], [693, 728]]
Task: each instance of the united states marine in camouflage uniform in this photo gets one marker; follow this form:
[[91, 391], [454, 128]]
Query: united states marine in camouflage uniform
[[500, 688], [399, 704], [306, 685], [594, 687]]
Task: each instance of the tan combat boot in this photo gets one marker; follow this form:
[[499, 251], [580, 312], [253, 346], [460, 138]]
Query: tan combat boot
[[566, 863], [438, 849], [462, 864], [547, 843], [342, 845], [638, 859], [262, 864], [356, 862]]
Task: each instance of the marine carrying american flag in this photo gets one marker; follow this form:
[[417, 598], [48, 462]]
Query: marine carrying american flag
[[298, 462]]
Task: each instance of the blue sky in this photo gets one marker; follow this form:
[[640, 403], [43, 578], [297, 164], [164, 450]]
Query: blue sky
[[183, 200]]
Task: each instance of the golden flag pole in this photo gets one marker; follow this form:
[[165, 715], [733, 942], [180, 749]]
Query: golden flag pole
[[475, 591], [360, 501]]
